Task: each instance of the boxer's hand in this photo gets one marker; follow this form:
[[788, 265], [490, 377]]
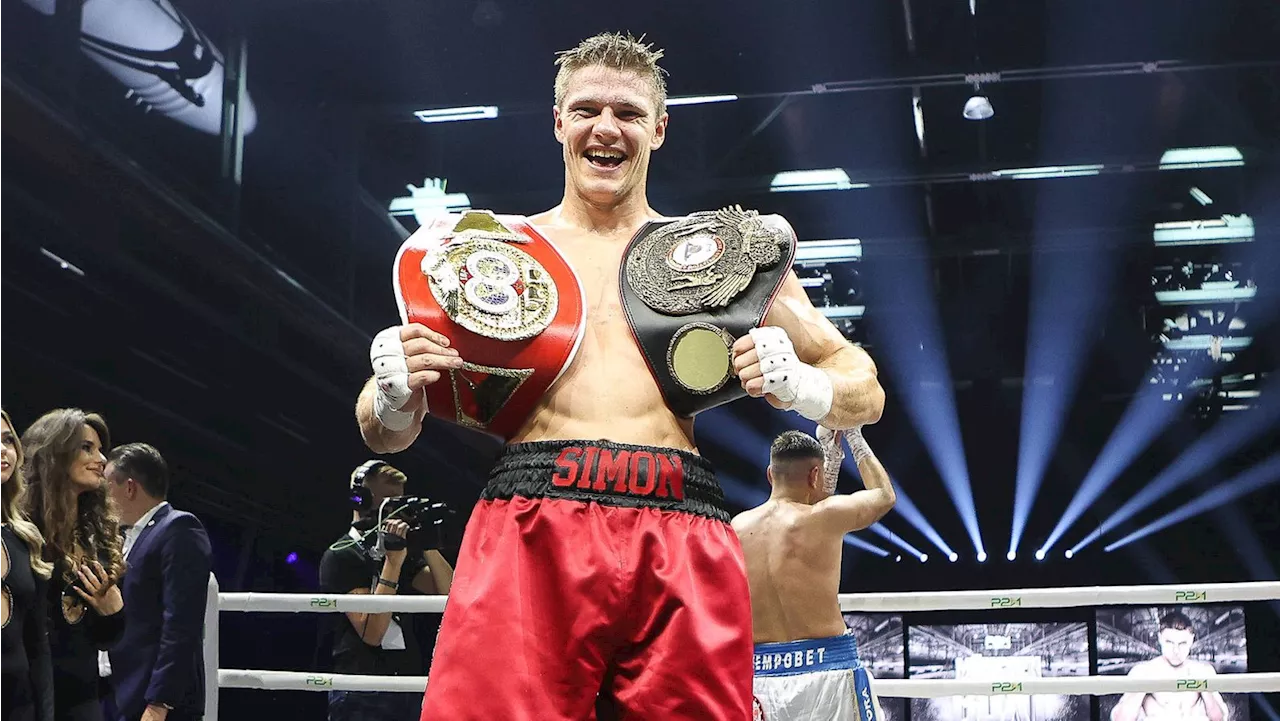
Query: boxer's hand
[[767, 366], [406, 359], [832, 443]]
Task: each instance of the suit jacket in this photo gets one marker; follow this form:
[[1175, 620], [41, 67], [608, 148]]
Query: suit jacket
[[160, 659]]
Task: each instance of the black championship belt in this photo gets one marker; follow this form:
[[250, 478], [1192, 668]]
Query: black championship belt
[[691, 287]]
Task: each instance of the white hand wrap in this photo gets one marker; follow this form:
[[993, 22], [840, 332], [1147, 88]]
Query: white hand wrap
[[832, 457], [391, 375], [857, 444], [786, 378]]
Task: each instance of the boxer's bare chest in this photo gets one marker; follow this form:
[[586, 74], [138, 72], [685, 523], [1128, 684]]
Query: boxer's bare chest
[[608, 390], [597, 258]]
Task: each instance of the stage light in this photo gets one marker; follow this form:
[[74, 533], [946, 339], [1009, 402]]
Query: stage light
[[1051, 171], [982, 557], [1260, 476], [448, 115], [806, 180], [836, 312], [828, 251], [1040, 555], [924, 557], [1211, 157], [978, 107], [1213, 231], [291, 559], [918, 113], [1070, 553], [1011, 555], [897, 558], [62, 263], [700, 99], [428, 201], [953, 557]]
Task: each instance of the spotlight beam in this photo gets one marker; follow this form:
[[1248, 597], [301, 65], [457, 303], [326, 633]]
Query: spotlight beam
[[908, 510], [1145, 417], [854, 541], [1260, 476], [915, 357], [895, 539], [1225, 438]]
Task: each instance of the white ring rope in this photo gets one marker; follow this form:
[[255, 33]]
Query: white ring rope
[[1157, 595], [888, 688], [328, 603], [1154, 595]]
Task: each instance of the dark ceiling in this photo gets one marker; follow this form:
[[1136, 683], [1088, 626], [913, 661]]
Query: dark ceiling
[[236, 340]]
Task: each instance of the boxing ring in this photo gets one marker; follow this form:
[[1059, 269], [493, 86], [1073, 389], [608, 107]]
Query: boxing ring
[[1150, 595]]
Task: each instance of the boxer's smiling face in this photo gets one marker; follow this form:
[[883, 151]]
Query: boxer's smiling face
[[608, 125]]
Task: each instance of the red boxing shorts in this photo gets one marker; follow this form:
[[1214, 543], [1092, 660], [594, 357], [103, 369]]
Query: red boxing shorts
[[596, 576]]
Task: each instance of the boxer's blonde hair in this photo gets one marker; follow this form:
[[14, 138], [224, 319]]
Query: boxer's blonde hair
[[617, 51]]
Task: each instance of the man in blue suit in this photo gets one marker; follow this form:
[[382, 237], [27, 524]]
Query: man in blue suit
[[156, 671]]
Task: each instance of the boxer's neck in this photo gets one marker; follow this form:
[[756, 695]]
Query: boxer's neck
[[626, 214]]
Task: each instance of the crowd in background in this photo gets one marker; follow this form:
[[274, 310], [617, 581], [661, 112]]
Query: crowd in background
[[84, 639]]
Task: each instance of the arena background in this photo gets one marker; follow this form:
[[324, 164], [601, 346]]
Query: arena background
[[214, 293]]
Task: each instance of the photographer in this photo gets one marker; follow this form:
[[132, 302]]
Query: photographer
[[389, 549]]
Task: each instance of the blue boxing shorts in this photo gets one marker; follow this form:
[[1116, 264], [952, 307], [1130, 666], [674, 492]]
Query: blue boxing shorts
[[819, 679]]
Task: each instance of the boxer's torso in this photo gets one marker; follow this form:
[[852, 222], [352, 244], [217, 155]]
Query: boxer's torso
[[1168, 705], [608, 391], [793, 569]]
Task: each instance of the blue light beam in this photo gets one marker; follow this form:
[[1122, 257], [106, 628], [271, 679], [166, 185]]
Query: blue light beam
[[1225, 438], [915, 356], [1067, 292], [1069, 285], [1147, 415], [895, 539], [1260, 476]]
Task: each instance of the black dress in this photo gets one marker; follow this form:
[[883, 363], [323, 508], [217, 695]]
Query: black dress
[[27, 685], [76, 634]]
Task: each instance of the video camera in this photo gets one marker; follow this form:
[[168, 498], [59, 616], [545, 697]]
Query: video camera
[[426, 521]]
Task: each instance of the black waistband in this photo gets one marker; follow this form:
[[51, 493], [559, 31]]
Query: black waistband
[[615, 474]]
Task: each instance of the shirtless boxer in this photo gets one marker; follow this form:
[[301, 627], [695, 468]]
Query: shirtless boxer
[[806, 662], [1177, 636], [599, 561]]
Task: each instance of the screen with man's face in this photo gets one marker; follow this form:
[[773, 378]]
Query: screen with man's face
[[1000, 652], [1195, 642], [880, 647]]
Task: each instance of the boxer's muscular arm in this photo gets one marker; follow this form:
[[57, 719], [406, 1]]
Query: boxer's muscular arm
[[858, 398], [855, 511]]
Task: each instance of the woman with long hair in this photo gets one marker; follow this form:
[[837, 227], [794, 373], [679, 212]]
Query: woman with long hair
[[67, 499], [27, 685]]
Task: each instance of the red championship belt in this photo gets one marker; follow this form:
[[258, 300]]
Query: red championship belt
[[508, 302]]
